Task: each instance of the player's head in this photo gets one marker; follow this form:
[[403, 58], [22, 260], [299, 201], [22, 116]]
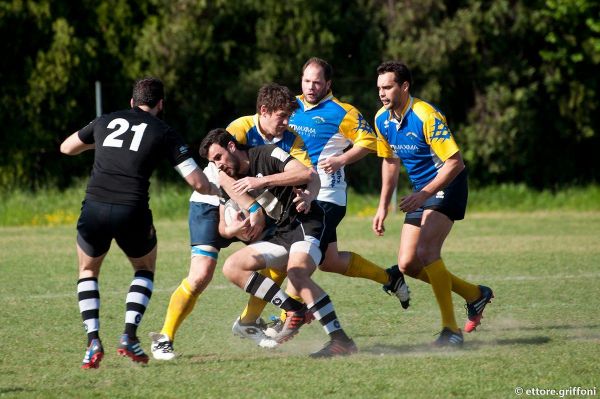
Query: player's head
[[274, 105], [148, 91], [316, 79], [220, 147], [393, 84]]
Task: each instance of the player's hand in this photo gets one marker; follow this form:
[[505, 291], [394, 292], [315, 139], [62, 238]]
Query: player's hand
[[378, 226], [239, 227], [331, 164], [257, 224], [413, 201], [246, 184], [303, 199]]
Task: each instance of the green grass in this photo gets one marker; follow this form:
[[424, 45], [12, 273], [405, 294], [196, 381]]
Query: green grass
[[541, 331], [51, 207]]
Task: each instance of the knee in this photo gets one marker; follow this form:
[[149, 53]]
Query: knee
[[201, 273], [200, 279], [333, 263], [297, 275], [426, 254], [410, 265], [229, 269]]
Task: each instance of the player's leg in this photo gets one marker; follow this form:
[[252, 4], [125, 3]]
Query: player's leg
[[345, 263], [255, 306], [93, 242], [242, 268], [452, 205], [88, 294], [135, 234], [435, 227], [184, 299], [352, 264], [304, 257], [205, 243]]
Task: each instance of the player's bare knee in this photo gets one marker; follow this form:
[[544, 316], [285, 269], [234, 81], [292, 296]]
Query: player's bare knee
[[426, 254], [298, 275], [331, 267], [409, 266]]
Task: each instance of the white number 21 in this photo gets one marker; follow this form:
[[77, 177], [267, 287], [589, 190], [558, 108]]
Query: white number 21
[[112, 141]]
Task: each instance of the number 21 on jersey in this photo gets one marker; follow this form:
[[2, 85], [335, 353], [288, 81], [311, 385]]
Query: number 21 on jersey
[[123, 126]]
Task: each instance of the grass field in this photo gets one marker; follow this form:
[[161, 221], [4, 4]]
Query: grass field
[[542, 330]]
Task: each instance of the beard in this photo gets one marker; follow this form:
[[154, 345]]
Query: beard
[[234, 170]]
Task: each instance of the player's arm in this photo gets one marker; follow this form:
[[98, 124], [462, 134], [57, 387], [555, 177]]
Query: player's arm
[[390, 168], [304, 197], [294, 174], [189, 170], [448, 172], [442, 143], [73, 145], [356, 129], [333, 163]]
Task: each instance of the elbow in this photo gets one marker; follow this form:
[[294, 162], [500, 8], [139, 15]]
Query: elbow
[[311, 176], [64, 149], [203, 188]]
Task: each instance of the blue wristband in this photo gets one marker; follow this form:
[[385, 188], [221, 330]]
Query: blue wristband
[[254, 207]]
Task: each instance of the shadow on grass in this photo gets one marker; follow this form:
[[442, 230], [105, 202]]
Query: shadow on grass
[[8, 390], [469, 345]]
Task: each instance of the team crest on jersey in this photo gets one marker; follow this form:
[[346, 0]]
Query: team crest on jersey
[[440, 131], [412, 134], [318, 120], [363, 126]]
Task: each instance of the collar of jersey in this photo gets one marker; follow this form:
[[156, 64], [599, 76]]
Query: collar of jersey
[[308, 106], [275, 139], [404, 111]]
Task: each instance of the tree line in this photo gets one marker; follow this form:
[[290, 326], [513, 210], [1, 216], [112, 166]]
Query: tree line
[[518, 80]]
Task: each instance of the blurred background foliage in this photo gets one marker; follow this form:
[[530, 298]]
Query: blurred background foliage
[[517, 80]]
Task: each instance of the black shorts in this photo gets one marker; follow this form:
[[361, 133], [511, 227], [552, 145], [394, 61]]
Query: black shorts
[[306, 227], [451, 201], [333, 216], [130, 226]]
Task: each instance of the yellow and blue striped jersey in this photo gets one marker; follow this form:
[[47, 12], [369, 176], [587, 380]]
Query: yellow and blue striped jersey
[[328, 128], [246, 131], [421, 139]]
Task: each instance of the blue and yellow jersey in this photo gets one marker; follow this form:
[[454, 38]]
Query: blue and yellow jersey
[[421, 139], [327, 129], [246, 131]]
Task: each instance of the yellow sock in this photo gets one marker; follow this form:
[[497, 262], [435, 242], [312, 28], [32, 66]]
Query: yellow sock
[[470, 292], [361, 267], [180, 306], [441, 284], [256, 305]]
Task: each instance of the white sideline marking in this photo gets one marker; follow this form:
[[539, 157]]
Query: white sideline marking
[[228, 286]]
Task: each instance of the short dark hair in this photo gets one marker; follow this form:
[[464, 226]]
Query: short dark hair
[[276, 97], [218, 136], [327, 69], [401, 72], [148, 91]]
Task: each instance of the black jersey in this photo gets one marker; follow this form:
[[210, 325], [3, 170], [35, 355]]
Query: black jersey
[[277, 201], [129, 146]]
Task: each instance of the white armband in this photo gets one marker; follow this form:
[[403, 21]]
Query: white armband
[[186, 167]]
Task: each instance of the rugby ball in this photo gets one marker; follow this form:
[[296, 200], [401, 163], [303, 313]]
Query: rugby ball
[[232, 212]]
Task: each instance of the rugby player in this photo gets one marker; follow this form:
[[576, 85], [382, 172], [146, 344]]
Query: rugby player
[[415, 132]]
